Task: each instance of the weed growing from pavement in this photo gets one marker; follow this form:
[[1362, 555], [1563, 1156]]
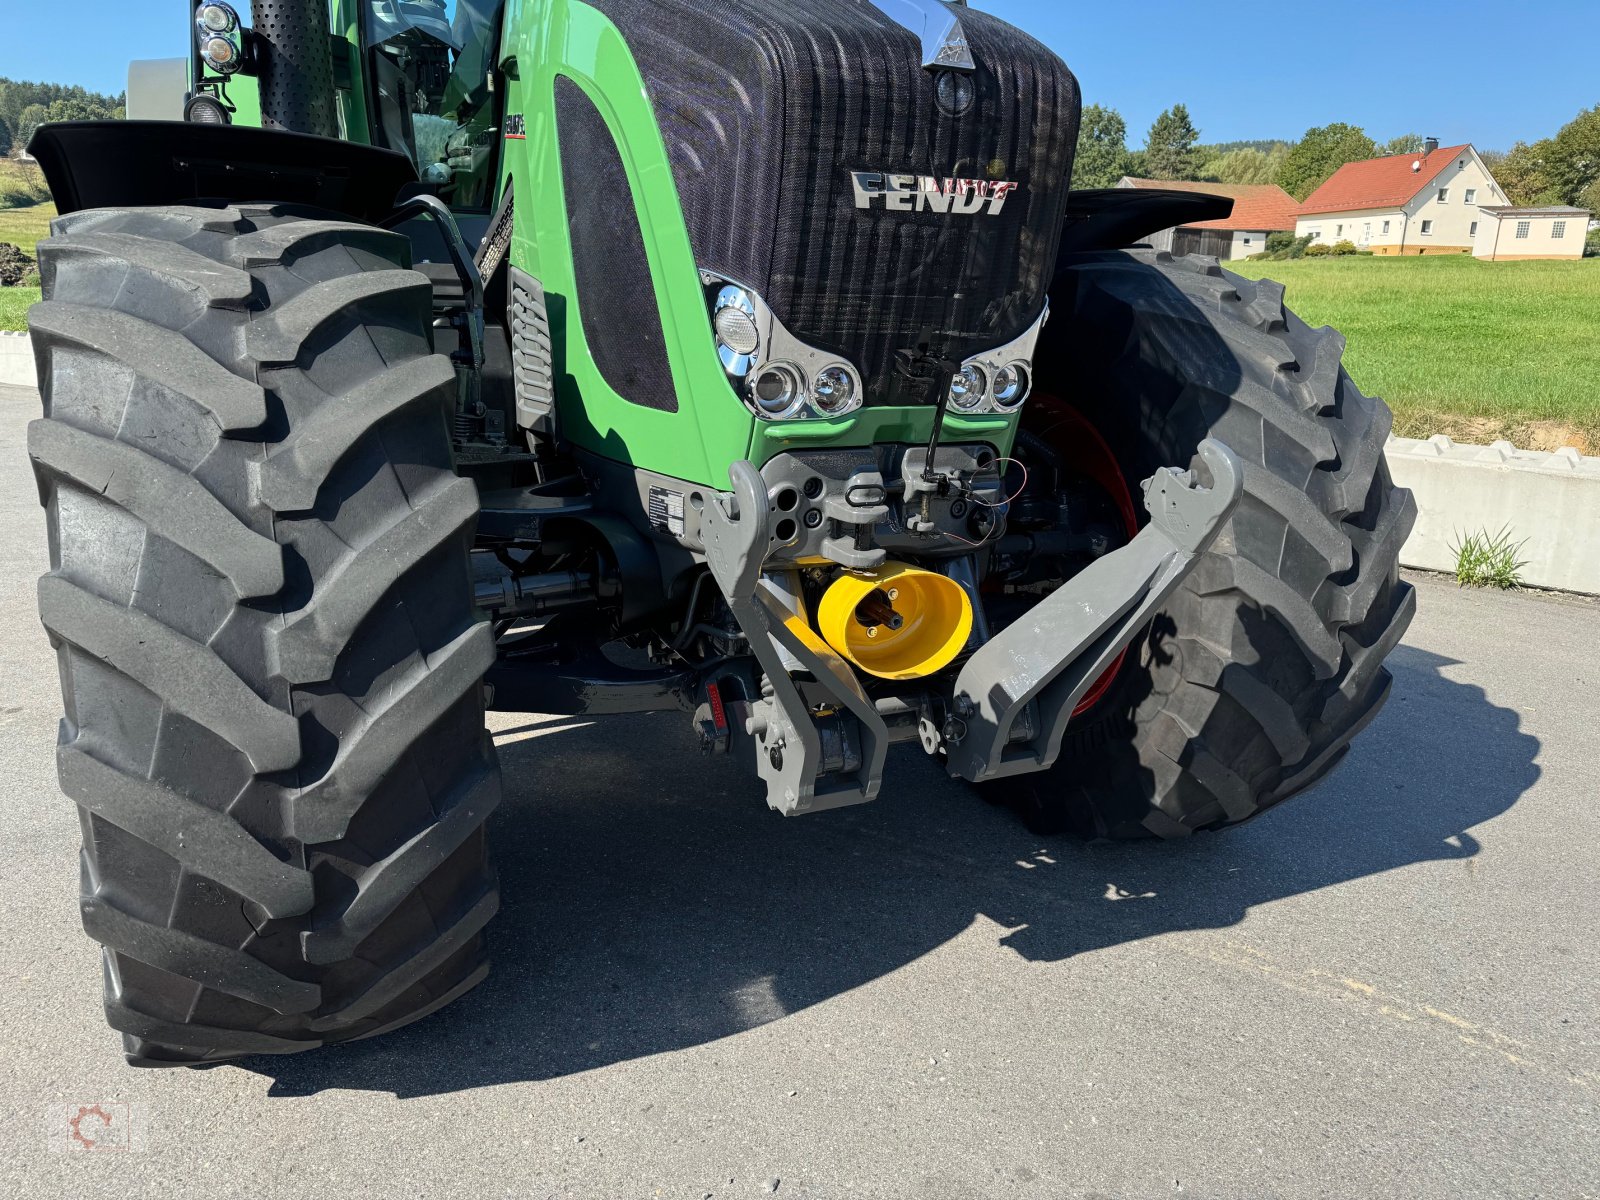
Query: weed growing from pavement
[[1489, 560]]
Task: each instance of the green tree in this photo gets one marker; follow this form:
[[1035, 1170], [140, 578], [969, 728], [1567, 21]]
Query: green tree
[[1525, 174], [1573, 160], [1246, 166], [30, 119], [1319, 154], [1406, 143], [1169, 148], [5, 137], [1102, 156], [18, 95]]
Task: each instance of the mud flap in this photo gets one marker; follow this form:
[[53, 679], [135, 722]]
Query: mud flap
[[1051, 657]]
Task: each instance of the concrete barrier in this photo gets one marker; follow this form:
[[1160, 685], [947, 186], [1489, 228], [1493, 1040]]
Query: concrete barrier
[[16, 360], [1550, 502]]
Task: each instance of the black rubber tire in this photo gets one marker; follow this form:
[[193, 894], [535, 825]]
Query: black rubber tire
[[1251, 683], [260, 602]]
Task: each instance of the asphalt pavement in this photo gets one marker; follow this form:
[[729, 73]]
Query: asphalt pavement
[[1387, 988]]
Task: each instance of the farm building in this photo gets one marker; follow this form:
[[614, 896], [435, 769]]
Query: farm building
[[1427, 202], [1258, 209], [1554, 231]]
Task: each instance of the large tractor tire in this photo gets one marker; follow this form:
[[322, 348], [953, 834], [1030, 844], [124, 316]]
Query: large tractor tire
[[1250, 684], [259, 598]]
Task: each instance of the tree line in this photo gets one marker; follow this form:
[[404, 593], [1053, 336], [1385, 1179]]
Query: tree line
[[1563, 169], [24, 106]]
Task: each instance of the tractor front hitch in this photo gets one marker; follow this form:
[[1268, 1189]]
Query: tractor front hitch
[[1033, 673], [819, 740]]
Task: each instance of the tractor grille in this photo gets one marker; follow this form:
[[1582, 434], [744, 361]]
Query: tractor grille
[[768, 108]]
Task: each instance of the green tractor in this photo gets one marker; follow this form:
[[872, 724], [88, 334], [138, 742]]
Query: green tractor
[[748, 360]]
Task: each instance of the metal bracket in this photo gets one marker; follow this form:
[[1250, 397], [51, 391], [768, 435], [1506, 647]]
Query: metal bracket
[[944, 42], [1053, 654], [789, 751]]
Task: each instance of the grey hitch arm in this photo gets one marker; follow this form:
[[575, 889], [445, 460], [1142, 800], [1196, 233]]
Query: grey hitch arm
[[1052, 656]]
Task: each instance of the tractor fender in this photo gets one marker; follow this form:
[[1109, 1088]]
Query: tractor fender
[[124, 164], [1116, 218]]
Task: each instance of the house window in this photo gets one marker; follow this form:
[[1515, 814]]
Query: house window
[[1523, 228], [1472, 230], [1338, 231], [1444, 195], [1427, 228], [1471, 197], [1558, 230], [1247, 239], [1386, 229]]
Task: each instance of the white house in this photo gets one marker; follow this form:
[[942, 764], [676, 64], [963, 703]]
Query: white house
[[1258, 209], [1428, 202], [1555, 231]]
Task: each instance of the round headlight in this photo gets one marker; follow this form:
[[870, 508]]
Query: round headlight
[[736, 329], [733, 319], [777, 392], [219, 53], [1011, 385], [967, 389], [205, 109], [218, 18], [833, 391]]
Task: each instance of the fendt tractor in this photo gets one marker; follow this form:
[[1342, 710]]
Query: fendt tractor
[[751, 361]]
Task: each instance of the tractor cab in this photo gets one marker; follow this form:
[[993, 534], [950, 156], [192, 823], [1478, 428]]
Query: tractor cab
[[432, 90]]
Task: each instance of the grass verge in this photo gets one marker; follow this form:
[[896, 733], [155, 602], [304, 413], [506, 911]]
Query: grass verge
[[24, 227], [14, 304], [1475, 350]]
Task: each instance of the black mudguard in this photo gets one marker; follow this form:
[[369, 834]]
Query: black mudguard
[[1115, 218], [113, 164]]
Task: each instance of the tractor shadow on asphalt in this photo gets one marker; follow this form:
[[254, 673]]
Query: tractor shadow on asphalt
[[652, 903]]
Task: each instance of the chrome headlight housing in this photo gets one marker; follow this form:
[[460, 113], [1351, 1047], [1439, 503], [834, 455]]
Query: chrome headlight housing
[[1011, 385], [219, 37], [778, 376], [969, 389], [738, 338], [998, 380]]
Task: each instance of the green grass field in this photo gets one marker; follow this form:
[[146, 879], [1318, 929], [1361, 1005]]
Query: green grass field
[[14, 302], [21, 227], [25, 226], [1472, 349]]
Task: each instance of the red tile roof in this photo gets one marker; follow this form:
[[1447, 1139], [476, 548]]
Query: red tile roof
[[1263, 206], [1380, 182]]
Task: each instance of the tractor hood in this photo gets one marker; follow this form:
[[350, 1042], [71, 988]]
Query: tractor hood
[[887, 207]]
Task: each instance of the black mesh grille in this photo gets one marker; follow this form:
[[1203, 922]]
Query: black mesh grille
[[767, 108], [621, 321]]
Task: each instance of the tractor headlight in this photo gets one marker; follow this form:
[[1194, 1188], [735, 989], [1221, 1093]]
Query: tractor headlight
[[1011, 383], [206, 109], [778, 376], [968, 389], [778, 392], [218, 36], [834, 391], [738, 339], [218, 18]]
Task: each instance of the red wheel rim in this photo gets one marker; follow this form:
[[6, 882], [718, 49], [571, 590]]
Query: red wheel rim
[[1079, 444]]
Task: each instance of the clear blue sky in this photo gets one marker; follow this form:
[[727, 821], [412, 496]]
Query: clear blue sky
[[1245, 68]]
